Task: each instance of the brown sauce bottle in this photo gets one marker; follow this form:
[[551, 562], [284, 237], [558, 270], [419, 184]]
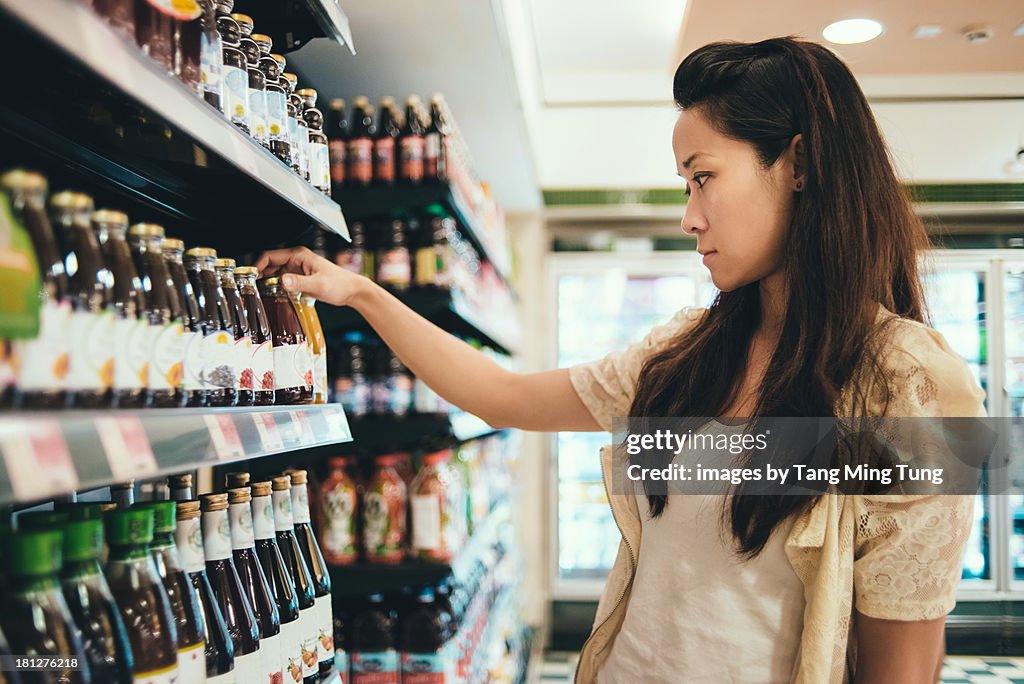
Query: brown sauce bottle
[[293, 363], [219, 369]]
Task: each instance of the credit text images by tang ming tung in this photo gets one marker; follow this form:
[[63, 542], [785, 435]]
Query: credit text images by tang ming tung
[[802, 456]]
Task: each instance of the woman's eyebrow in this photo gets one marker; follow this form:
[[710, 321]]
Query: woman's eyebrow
[[686, 164]]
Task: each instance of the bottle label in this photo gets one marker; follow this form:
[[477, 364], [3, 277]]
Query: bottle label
[[283, 511], [258, 114], [351, 260], [293, 366], [394, 268], [243, 350], [263, 366], [360, 160], [310, 631], [270, 655], [226, 678], [432, 148], [92, 347], [219, 360], [166, 359], [193, 361], [45, 361], [320, 373], [294, 138], [341, 664], [306, 153], [412, 158], [217, 539], [426, 266], [167, 676], [211, 64], [383, 527], [375, 668], [384, 159], [426, 522], [291, 651], [424, 668], [300, 504], [399, 394], [236, 94], [188, 537], [337, 153], [192, 663], [240, 516], [248, 667], [325, 631], [339, 529], [130, 350], [277, 115], [262, 518]]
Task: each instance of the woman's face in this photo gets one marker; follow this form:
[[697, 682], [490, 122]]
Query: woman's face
[[738, 211]]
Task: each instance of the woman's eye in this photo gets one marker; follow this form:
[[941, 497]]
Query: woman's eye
[[700, 180]]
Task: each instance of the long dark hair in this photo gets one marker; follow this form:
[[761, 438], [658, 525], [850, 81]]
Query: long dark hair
[[853, 244]]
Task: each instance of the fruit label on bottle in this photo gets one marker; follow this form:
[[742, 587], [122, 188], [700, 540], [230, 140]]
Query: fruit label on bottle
[[277, 115], [166, 359], [258, 114], [248, 667], [339, 530], [188, 537], [432, 150], [240, 516], [45, 360], [325, 628], [92, 349], [412, 158], [337, 152], [130, 351], [270, 655], [263, 366], [383, 527], [219, 360], [192, 663], [168, 676], [426, 522], [310, 631], [192, 368], [394, 267], [375, 668], [291, 651], [360, 160], [293, 366], [283, 511], [243, 350], [217, 537], [236, 95], [424, 668], [211, 64], [262, 518], [384, 159]]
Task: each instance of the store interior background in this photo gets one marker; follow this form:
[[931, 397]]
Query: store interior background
[[566, 107]]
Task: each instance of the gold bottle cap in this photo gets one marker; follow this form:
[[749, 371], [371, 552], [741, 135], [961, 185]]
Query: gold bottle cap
[[279, 59], [306, 92], [298, 476], [183, 481], [361, 101], [262, 38], [281, 483], [261, 488], [188, 510], [172, 244], [271, 282], [225, 263], [235, 480], [246, 271], [292, 78], [110, 216], [202, 252], [242, 18], [239, 495], [213, 502], [22, 179], [337, 104], [147, 230], [386, 101], [71, 200]]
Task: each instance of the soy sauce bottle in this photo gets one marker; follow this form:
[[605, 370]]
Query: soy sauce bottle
[[192, 368], [220, 377], [240, 322]]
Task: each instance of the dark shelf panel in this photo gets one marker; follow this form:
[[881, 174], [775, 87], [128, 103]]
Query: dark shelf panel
[[47, 454], [381, 434], [95, 113], [294, 23]]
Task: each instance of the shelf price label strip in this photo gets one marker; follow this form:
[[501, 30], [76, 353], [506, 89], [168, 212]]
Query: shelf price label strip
[[38, 461], [269, 434], [224, 438], [127, 447]]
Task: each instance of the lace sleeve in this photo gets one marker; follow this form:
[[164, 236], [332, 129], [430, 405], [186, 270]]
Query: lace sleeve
[[607, 386], [909, 549]]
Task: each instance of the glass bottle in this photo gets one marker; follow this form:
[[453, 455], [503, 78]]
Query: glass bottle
[[320, 166], [394, 267], [339, 500], [225, 269], [280, 581], [435, 147], [35, 616], [211, 65], [309, 163], [296, 155], [166, 323], [192, 364], [188, 619], [296, 564], [257, 84], [140, 595], [354, 256], [277, 108], [235, 74], [188, 537], [262, 340], [91, 373], [300, 312], [220, 376], [384, 513], [411, 144], [254, 583], [154, 32], [314, 332], [360, 143], [374, 656], [120, 14], [131, 329], [227, 588], [318, 570], [180, 487], [92, 605], [293, 365], [336, 129], [187, 40], [351, 386], [42, 375], [384, 147]]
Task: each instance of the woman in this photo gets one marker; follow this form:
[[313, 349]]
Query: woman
[[813, 246]]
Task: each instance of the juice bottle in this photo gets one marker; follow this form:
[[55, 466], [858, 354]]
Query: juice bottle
[[384, 510], [91, 373], [293, 364], [336, 129], [438, 506], [41, 377], [164, 378], [141, 597], [192, 368], [388, 129], [35, 616], [394, 265], [338, 502], [374, 657], [280, 581], [424, 633], [188, 537], [435, 159], [254, 583], [188, 619], [362, 133], [130, 325], [220, 376], [240, 322], [262, 340], [318, 570], [227, 588], [295, 563], [305, 307], [234, 74], [411, 143]]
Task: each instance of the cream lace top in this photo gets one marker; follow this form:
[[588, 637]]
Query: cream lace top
[[890, 557]]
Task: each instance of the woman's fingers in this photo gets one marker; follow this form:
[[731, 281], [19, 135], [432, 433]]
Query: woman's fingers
[[276, 261]]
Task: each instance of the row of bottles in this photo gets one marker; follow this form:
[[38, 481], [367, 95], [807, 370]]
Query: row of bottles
[[217, 53], [129, 318], [229, 587]]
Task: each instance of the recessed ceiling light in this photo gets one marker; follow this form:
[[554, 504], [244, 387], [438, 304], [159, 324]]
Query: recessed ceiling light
[[850, 31], [927, 31]]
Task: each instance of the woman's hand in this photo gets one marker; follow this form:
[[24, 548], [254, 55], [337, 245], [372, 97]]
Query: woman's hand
[[302, 271]]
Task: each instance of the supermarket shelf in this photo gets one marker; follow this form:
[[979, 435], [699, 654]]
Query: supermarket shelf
[[382, 200], [381, 434], [450, 310], [47, 454], [104, 117], [293, 24]]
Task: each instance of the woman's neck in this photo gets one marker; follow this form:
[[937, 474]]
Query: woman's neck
[[773, 304]]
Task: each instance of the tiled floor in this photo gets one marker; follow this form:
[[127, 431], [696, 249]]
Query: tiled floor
[[558, 667]]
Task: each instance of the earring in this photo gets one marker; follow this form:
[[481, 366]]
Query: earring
[[799, 186]]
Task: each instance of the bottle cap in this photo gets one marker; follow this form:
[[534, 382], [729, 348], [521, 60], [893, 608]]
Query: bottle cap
[[264, 41], [281, 483], [22, 179], [271, 282], [225, 263], [243, 19], [261, 488], [336, 104], [236, 479], [307, 93], [110, 216], [437, 457], [90, 510], [298, 476], [291, 78], [187, 510], [131, 527], [164, 514], [202, 253], [41, 520], [34, 554], [147, 230], [172, 244], [246, 271], [71, 200], [213, 502], [182, 481], [239, 495], [279, 59], [83, 540]]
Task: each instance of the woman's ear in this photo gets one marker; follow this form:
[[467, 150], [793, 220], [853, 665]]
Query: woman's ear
[[798, 158]]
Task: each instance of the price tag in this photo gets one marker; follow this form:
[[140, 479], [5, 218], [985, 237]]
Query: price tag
[[127, 447], [303, 430], [38, 462], [337, 423], [224, 437], [270, 436]]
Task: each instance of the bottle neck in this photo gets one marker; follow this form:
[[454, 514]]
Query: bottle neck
[[188, 538], [263, 525], [300, 504], [283, 521], [216, 535], [240, 516], [36, 584], [131, 553], [80, 570], [161, 540]]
